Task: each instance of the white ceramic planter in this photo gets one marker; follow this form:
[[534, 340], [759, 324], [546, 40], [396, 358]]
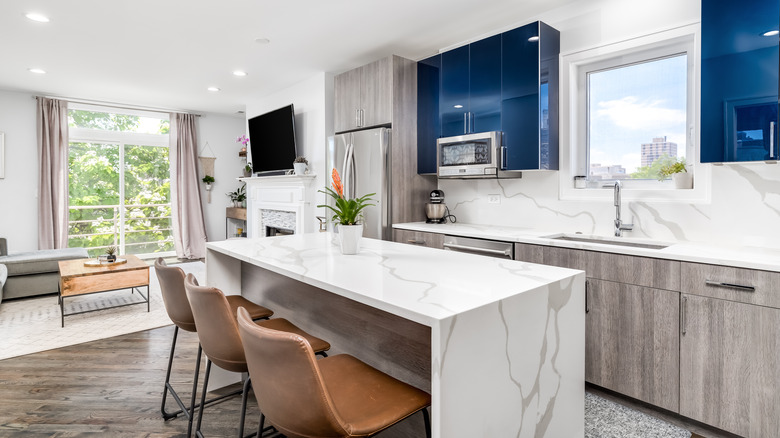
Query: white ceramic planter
[[300, 168], [683, 180], [349, 236]]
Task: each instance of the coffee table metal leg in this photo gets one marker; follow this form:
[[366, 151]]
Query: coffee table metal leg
[[148, 298], [62, 306]]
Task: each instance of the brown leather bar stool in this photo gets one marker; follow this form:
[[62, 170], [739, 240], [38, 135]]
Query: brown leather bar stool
[[171, 280], [218, 333], [338, 396]]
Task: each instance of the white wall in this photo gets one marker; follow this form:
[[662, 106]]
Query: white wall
[[313, 102], [220, 131], [19, 189], [744, 208]]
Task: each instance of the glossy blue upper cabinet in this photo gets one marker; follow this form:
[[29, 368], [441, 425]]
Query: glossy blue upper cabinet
[[739, 80], [485, 85], [454, 97], [529, 97], [428, 121]]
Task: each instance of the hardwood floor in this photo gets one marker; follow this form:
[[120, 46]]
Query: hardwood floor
[[111, 387]]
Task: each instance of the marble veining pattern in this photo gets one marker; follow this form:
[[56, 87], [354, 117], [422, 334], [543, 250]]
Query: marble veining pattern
[[751, 257], [507, 338]]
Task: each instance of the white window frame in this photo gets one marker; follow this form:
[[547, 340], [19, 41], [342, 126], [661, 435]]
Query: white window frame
[[574, 115], [121, 139]]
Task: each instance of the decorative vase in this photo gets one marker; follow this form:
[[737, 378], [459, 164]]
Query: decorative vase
[[300, 168], [237, 204], [349, 236], [111, 258], [247, 173], [683, 180]]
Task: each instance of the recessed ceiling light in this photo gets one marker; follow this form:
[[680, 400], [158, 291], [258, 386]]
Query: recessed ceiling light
[[262, 40], [533, 39], [239, 73], [771, 33], [39, 71], [458, 106], [37, 17], [214, 89]]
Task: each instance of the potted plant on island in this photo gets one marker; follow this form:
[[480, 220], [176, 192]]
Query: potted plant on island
[[347, 214], [300, 165], [238, 196], [677, 170]]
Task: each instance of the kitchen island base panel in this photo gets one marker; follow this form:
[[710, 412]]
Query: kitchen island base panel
[[535, 387]]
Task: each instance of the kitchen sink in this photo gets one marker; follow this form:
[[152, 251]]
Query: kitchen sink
[[607, 241]]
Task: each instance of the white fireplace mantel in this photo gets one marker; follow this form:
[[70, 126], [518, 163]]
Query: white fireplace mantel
[[285, 193]]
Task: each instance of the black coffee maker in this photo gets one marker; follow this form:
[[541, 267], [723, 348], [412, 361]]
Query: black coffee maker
[[435, 209]]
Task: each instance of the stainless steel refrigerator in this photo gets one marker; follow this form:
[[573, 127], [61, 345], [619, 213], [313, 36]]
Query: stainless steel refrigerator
[[362, 159]]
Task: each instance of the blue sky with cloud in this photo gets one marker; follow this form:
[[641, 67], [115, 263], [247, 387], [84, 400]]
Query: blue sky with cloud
[[632, 105]]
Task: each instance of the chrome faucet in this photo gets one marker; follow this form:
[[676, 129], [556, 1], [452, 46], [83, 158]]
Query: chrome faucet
[[619, 225]]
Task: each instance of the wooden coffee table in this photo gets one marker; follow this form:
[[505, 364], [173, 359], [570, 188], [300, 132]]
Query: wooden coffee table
[[77, 279]]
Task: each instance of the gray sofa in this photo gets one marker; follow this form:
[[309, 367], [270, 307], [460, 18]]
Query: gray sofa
[[33, 273]]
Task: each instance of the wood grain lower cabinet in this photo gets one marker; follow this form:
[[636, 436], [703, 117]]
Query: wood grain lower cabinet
[[730, 365], [421, 238], [632, 341]]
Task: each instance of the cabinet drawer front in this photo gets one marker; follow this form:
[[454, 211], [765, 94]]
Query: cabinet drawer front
[[640, 271], [420, 238], [734, 284]]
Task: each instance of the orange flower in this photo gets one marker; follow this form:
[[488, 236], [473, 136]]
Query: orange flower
[[337, 186]]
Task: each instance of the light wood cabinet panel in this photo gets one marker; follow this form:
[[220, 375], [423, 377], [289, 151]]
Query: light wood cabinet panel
[[640, 271], [431, 240], [730, 284], [730, 365], [363, 97], [376, 93], [529, 253], [632, 341], [346, 100]]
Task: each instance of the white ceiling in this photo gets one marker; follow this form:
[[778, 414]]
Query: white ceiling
[[165, 53]]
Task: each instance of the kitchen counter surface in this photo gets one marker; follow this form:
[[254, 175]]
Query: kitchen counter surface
[[411, 282], [494, 329], [767, 259]]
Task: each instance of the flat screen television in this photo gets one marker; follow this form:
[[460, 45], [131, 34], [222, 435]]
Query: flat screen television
[[272, 141]]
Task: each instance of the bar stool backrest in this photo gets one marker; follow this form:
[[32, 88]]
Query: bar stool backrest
[[175, 298], [287, 381], [217, 328]]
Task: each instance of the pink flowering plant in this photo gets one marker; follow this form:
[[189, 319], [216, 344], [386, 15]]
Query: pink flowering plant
[[244, 140]]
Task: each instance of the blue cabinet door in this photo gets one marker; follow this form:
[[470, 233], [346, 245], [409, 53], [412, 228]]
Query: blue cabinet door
[[454, 98], [428, 121], [520, 97], [739, 80], [485, 85]]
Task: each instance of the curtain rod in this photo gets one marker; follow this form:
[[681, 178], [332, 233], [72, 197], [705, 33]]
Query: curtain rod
[[119, 105]]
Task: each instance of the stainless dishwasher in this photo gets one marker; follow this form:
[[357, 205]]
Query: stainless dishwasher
[[490, 248]]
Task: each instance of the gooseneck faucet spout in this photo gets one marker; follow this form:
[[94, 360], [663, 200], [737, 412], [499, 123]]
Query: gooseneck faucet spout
[[619, 225]]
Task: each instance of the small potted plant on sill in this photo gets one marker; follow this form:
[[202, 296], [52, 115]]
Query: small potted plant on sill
[[676, 169], [238, 196], [347, 214], [300, 165]]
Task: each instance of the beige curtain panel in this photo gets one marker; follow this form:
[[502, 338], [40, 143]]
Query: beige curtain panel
[[189, 228], [52, 132]]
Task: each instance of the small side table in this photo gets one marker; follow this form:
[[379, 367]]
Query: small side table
[[235, 220]]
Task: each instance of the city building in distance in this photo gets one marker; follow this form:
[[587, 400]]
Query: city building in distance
[[658, 148]]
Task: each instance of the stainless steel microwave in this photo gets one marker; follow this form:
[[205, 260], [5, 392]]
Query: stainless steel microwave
[[469, 156]]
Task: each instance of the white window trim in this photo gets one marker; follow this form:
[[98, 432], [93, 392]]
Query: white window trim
[[121, 139], [574, 120]]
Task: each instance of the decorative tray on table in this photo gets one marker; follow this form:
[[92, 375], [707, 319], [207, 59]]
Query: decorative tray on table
[[98, 262]]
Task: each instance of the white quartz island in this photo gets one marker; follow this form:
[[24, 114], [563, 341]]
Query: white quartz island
[[499, 344]]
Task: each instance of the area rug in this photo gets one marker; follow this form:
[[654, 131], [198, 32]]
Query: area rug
[[606, 419], [32, 325]]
